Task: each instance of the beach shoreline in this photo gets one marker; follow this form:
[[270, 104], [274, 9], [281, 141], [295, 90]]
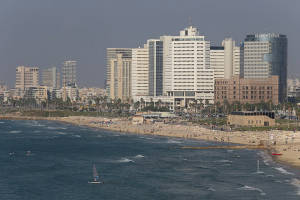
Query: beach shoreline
[[285, 143]]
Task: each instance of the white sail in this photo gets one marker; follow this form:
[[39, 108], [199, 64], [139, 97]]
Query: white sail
[[95, 176], [95, 173]]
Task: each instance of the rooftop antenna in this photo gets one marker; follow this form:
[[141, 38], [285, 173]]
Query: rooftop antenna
[[190, 21]]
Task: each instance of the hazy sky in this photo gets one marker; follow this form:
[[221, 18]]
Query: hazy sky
[[45, 33]]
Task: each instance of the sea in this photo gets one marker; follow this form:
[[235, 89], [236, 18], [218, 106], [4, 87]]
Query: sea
[[41, 160]]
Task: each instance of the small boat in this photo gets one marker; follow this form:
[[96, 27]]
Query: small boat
[[95, 176], [276, 154]]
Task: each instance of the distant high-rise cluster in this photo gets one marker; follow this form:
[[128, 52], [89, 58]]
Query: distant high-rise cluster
[[27, 77], [185, 68], [51, 77], [69, 77], [31, 83]]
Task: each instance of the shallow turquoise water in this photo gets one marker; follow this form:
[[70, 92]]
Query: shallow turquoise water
[[132, 167]]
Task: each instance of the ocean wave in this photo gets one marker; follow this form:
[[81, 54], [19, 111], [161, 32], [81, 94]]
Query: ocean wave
[[283, 171], [2, 122], [77, 136], [249, 188], [266, 158], [139, 156], [223, 161], [124, 160], [296, 182], [174, 142], [211, 189], [56, 128], [38, 125], [52, 128], [61, 133], [15, 131]]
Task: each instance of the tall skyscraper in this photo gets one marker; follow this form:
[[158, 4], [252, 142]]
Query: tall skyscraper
[[265, 55], [51, 78], [120, 78], [27, 77], [188, 65], [155, 67], [111, 53], [140, 72], [69, 76]]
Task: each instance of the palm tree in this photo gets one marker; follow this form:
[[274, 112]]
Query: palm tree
[[97, 101], [142, 103], [136, 105]]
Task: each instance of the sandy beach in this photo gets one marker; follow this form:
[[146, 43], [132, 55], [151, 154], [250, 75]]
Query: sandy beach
[[285, 143]]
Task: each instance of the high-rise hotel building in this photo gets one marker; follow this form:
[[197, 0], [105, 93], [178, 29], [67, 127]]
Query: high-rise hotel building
[[265, 55], [120, 78], [140, 72], [27, 77], [111, 54], [155, 48], [187, 70]]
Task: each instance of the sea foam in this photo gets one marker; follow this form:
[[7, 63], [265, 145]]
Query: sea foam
[[139, 156], [296, 182], [125, 160], [174, 142], [15, 131], [249, 188], [283, 171]]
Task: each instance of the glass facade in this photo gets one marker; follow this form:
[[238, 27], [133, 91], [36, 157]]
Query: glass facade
[[266, 55], [155, 67]]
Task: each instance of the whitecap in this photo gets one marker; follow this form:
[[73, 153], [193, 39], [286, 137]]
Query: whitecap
[[38, 125], [211, 189], [266, 158], [77, 136], [249, 188], [296, 182], [56, 128], [125, 160], [61, 133], [139, 156], [224, 161], [15, 131], [2, 122], [174, 142], [283, 171]]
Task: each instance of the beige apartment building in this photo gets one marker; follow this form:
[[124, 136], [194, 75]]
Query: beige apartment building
[[27, 77], [120, 78], [247, 90]]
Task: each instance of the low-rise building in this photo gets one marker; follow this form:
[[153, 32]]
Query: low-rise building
[[138, 119], [256, 119]]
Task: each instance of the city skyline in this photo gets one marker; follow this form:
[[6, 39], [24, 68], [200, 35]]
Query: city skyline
[[47, 38]]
